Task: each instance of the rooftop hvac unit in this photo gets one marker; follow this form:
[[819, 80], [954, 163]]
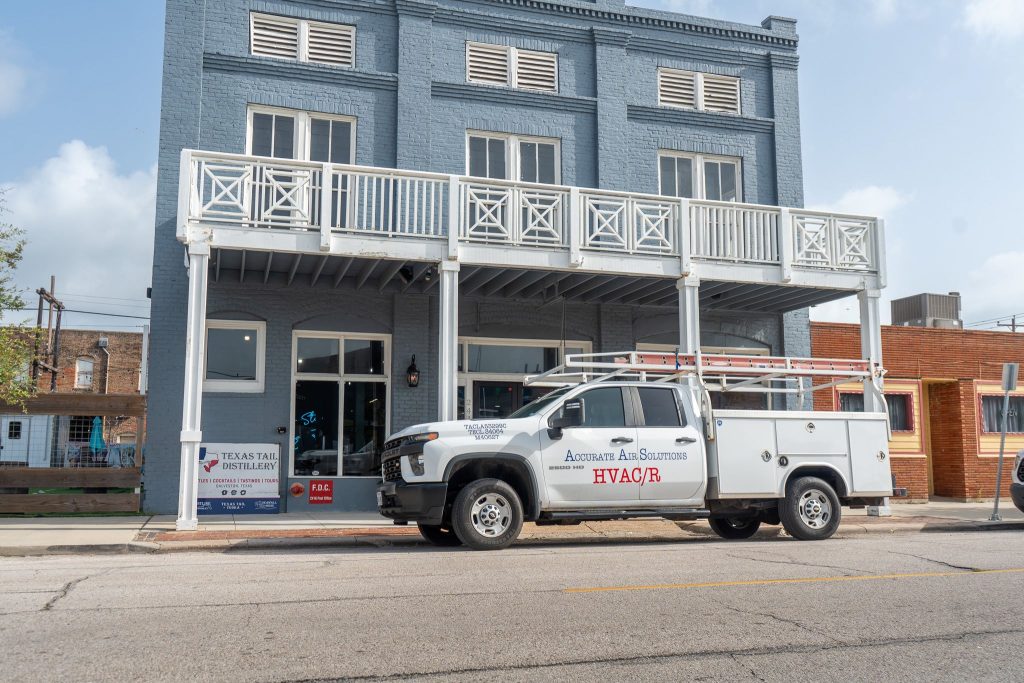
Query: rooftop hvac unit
[[928, 310]]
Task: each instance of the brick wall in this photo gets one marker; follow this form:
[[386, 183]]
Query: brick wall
[[949, 362], [117, 369]]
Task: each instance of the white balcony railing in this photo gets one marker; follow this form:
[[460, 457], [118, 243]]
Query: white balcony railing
[[264, 193]]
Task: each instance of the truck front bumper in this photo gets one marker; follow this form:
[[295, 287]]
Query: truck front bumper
[[1017, 493], [403, 502]]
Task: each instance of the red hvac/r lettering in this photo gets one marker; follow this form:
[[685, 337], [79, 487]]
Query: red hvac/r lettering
[[625, 475]]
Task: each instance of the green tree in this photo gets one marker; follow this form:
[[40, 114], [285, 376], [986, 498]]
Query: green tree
[[15, 339]]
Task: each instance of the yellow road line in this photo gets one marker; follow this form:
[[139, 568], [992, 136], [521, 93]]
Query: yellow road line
[[809, 579]]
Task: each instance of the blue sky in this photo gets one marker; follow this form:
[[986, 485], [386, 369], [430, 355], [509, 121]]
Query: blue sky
[[909, 109]]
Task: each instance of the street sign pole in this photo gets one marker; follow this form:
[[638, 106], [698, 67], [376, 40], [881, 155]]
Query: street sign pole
[[1009, 384]]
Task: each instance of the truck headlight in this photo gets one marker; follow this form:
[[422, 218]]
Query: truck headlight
[[420, 438], [416, 464]]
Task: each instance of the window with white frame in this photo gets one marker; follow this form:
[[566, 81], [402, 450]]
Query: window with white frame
[[510, 66], [83, 373], [491, 372], [700, 91], [235, 356], [513, 157], [340, 405], [302, 40], [306, 136], [699, 176]]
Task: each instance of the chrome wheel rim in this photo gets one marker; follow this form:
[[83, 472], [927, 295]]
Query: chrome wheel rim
[[815, 509], [492, 515]]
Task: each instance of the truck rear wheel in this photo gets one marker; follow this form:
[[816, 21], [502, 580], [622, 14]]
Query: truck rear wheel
[[439, 536], [810, 511], [487, 515], [734, 528]]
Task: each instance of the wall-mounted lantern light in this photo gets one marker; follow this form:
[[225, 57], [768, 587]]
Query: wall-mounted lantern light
[[412, 375]]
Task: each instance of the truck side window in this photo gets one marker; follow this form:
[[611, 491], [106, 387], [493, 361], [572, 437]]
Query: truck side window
[[661, 407], [603, 408]]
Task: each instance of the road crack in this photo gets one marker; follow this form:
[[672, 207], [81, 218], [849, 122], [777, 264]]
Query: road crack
[[770, 650], [939, 562], [62, 593], [781, 620], [849, 571]]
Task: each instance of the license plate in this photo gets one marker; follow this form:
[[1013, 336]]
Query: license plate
[[380, 499]]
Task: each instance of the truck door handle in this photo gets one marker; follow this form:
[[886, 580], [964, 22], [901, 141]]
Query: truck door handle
[[622, 439], [686, 439]]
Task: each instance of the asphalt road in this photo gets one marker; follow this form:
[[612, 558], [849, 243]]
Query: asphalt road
[[902, 607]]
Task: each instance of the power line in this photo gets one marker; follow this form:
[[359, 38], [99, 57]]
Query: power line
[[993, 320], [73, 310]]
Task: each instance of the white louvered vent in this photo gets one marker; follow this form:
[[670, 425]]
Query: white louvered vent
[[275, 36], [537, 70], [677, 88], [331, 44], [487, 64], [721, 93]]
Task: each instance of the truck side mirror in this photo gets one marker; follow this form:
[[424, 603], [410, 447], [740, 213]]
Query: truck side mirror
[[571, 415]]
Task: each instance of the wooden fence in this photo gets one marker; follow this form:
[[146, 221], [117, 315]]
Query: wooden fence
[[102, 488]]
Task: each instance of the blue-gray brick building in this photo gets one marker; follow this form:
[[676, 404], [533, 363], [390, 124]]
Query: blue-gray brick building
[[572, 176]]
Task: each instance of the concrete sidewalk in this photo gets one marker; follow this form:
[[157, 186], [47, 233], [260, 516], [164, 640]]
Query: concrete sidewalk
[[52, 535]]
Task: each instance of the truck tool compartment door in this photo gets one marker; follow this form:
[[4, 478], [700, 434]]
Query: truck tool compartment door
[[670, 460], [586, 463]]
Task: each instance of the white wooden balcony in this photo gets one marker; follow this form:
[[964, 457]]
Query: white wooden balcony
[[257, 204]]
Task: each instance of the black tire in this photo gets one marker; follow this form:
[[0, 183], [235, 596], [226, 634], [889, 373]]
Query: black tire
[[734, 528], [487, 515], [439, 536], [810, 511]]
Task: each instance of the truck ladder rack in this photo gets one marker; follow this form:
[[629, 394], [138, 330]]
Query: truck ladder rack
[[713, 372]]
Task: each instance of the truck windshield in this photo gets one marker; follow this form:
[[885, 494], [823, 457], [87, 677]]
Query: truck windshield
[[539, 404]]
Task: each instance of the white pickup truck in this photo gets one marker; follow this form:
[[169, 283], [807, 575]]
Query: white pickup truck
[[613, 449]]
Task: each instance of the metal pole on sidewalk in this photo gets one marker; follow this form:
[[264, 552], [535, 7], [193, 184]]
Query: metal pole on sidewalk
[[1009, 384]]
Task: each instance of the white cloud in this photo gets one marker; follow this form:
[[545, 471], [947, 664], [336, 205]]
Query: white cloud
[[884, 11], [871, 200], [86, 223], [1000, 19], [14, 78], [13, 87], [995, 288]]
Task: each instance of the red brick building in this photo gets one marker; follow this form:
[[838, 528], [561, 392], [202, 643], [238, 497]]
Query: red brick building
[[943, 387]]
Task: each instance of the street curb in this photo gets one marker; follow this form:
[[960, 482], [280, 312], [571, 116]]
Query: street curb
[[693, 531]]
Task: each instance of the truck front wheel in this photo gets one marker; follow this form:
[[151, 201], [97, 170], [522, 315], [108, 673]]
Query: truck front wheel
[[734, 528], [810, 511], [487, 515]]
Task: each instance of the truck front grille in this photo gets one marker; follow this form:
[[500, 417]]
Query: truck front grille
[[393, 469]]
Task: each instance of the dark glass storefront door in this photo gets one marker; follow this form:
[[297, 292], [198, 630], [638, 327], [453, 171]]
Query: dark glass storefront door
[[495, 400]]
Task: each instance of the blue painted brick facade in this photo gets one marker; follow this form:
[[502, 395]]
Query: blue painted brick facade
[[409, 95]]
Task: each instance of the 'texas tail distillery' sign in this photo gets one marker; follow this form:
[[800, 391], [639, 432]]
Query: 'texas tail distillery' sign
[[239, 478]]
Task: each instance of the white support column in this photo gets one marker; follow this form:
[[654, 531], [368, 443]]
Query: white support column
[[689, 317], [192, 407], [871, 350], [448, 342]]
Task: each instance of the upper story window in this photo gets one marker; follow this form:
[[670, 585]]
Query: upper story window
[[700, 91], [83, 373], [513, 157], [302, 40], [510, 66], [699, 176], [291, 134]]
